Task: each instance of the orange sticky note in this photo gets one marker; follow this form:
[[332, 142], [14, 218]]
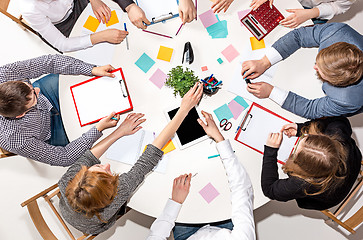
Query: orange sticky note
[[113, 19], [255, 44], [169, 146], [165, 53], [91, 24]]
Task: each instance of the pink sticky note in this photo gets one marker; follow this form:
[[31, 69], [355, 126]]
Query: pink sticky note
[[235, 108], [205, 68], [230, 53], [208, 18], [209, 193], [158, 78], [243, 13]]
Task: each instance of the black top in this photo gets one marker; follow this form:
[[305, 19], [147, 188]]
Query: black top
[[294, 187]]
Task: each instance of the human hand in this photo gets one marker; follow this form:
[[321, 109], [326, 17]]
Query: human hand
[[252, 69], [274, 140], [187, 11], [290, 129], [107, 122], [298, 17], [260, 89], [113, 35], [220, 5], [192, 97], [101, 10], [210, 127], [130, 125], [137, 16], [103, 71], [181, 188], [256, 3]]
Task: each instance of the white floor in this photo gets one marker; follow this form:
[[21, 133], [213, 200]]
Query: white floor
[[21, 178]]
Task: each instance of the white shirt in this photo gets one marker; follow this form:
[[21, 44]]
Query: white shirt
[[328, 8], [242, 206], [42, 15]]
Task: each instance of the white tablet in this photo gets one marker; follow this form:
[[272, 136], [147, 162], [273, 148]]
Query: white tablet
[[189, 132]]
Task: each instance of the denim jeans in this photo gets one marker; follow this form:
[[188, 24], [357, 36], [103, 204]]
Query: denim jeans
[[49, 87], [183, 231]]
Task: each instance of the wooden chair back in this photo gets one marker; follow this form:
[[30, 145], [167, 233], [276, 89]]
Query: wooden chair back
[[37, 217], [4, 153], [357, 217]]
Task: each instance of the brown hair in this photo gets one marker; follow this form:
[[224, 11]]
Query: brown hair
[[89, 192], [341, 64], [321, 161], [14, 96]]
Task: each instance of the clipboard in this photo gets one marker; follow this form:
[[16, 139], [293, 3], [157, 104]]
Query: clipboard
[[99, 96], [256, 126], [159, 10]]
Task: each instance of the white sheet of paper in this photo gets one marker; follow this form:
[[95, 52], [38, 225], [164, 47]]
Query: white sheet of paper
[[157, 8], [238, 86], [98, 98], [257, 129]]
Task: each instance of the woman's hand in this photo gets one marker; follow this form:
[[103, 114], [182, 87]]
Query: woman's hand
[[210, 127], [274, 140], [299, 16], [192, 97], [187, 11], [130, 125], [290, 129], [107, 122], [112, 35], [101, 10], [181, 188], [220, 5]]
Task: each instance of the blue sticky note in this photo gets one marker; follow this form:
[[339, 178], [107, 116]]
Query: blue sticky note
[[223, 112], [145, 62], [241, 101], [218, 30]]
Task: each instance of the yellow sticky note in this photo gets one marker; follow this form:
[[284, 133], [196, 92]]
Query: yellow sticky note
[[255, 44], [113, 19], [91, 24], [169, 146], [165, 53]]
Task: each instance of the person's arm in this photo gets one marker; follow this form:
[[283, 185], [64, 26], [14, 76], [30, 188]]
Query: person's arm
[[327, 10], [187, 11], [124, 3], [239, 183], [137, 16]]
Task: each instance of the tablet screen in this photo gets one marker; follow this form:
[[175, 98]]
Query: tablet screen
[[190, 129]]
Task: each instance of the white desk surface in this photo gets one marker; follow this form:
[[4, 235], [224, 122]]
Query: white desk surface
[[153, 193]]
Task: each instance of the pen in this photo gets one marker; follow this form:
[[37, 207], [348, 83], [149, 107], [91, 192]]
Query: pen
[[113, 118], [205, 81], [247, 80], [195, 174], [213, 156], [215, 85], [127, 42], [179, 29], [157, 34], [196, 11]]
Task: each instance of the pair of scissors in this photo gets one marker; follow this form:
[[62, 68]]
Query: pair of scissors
[[225, 125]]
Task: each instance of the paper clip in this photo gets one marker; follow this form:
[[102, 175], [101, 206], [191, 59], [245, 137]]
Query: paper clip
[[123, 88]]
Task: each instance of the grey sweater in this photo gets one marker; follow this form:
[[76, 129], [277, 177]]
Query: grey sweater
[[127, 183]]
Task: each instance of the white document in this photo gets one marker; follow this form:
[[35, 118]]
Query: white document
[[238, 86], [128, 149], [100, 97], [157, 8], [255, 130]]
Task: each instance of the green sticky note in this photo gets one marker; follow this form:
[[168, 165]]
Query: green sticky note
[[220, 61], [223, 112], [145, 62], [241, 101]]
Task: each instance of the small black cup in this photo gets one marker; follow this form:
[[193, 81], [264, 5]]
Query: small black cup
[[208, 89]]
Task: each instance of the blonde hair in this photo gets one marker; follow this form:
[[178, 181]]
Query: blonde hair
[[340, 63], [320, 162], [89, 192]]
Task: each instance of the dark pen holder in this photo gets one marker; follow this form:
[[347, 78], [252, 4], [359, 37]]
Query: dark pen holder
[[208, 88]]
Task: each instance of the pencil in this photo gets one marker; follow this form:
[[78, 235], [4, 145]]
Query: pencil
[[179, 29], [127, 42], [196, 11], [157, 34]]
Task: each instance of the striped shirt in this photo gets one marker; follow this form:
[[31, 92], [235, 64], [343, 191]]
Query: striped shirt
[[27, 135]]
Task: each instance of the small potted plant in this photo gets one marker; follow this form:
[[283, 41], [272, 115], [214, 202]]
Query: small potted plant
[[181, 80]]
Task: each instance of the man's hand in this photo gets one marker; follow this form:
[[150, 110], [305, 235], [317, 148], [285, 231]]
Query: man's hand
[[103, 71], [274, 140], [210, 127], [290, 129], [187, 11], [256, 3], [192, 97], [299, 16], [220, 5], [130, 125], [252, 69], [101, 10], [107, 122], [181, 188], [260, 89], [137, 16]]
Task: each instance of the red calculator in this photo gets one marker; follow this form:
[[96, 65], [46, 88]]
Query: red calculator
[[262, 21]]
